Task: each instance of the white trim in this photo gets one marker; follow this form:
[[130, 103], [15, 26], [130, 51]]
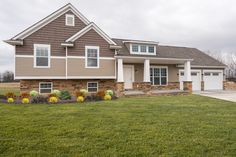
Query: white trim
[[88, 28], [64, 57], [141, 42], [14, 42], [24, 56], [66, 62], [167, 76], [14, 62], [67, 44], [143, 53], [86, 56], [120, 70], [50, 18], [49, 55], [63, 77], [45, 88], [97, 86], [70, 16], [58, 57], [153, 58], [146, 71], [209, 70], [202, 66]]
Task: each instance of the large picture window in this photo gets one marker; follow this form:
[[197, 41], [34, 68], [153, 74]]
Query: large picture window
[[92, 56], [41, 56], [158, 75]]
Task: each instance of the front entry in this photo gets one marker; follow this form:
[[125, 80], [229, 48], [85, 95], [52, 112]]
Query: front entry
[[128, 76]]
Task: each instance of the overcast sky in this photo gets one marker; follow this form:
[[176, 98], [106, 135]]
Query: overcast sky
[[204, 24]]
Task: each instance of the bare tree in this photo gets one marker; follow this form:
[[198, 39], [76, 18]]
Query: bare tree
[[8, 76]]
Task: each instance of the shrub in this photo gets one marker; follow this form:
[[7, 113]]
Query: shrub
[[53, 100], [65, 95], [24, 95], [10, 95], [78, 93], [107, 97], [109, 92], [34, 93], [101, 94], [52, 95], [80, 99], [10, 100], [57, 93], [84, 91], [39, 99], [25, 100]]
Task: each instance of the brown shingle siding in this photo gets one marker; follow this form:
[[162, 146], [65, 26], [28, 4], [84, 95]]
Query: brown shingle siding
[[54, 34]]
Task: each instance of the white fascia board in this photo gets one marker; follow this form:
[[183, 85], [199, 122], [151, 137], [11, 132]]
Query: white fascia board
[[88, 28], [14, 42], [153, 58], [203, 66], [49, 19], [67, 44]]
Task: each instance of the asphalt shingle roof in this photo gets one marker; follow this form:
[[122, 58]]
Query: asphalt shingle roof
[[199, 57]]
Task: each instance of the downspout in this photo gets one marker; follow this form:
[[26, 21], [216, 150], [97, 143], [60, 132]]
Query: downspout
[[66, 62]]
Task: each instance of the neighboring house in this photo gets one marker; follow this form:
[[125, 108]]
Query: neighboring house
[[67, 51]]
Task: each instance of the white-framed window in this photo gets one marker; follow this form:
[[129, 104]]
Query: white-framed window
[[45, 87], [92, 56], [42, 53], [159, 75], [92, 87], [70, 20], [143, 49]]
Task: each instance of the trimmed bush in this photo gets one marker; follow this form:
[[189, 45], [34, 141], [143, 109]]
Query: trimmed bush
[[39, 99], [25, 100], [84, 91], [10, 100], [57, 93], [34, 93], [80, 99], [65, 95], [24, 95], [10, 95], [101, 94], [78, 93], [52, 95], [109, 92], [107, 97], [53, 100]]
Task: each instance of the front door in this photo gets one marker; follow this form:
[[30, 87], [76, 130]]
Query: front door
[[128, 76]]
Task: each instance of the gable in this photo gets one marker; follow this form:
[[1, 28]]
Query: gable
[[49, 19]]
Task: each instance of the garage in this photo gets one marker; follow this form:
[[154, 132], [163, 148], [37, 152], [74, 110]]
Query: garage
[[213, 79], [196, 79]]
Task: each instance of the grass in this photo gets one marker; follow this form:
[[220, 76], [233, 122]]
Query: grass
[[147, 126]]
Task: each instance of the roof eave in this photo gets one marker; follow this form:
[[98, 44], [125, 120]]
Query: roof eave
[[14, 42]]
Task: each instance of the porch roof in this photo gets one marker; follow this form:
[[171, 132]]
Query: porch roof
[[153, 60]]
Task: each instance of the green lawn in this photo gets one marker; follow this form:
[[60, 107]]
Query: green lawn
[[148, 126]]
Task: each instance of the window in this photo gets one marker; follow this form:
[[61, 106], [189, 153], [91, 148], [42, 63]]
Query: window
[[207, 74], [215, 74], [92, 56], [151, 49], [143, 48], [158, 75], [70, 20], [41, 56], [135, 48], [92, 87], [45, 87], [193, 73]]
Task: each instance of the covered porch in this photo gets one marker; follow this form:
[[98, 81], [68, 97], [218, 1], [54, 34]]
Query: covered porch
[[152, 75]]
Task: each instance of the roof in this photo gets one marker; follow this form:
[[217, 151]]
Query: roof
[[199, 57]]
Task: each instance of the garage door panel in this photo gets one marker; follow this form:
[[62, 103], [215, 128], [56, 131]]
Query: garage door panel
[[196, 80], [213, 80]]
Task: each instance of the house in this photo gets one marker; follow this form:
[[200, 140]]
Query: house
[[67, 51]]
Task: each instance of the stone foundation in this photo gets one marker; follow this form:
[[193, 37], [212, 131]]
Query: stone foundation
[[70, 85], [119, 89], [188, 86], [229, 85], [146, 86]]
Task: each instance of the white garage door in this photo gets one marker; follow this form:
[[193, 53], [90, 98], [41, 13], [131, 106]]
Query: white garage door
[[196, 80], [213, 80]]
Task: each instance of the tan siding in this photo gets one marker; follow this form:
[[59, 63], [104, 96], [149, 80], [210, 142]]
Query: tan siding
[[172, 73], [76, 67], [25, 67], [91, 38], [53, 33]]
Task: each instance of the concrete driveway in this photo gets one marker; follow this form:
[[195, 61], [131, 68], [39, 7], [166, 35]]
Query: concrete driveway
[[223, 95]]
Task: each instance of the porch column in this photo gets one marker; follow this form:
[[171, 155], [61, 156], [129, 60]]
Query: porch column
[[187, 71], [120, 73], [146, 71]]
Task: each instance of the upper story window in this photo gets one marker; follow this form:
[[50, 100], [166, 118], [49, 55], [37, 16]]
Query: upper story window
[[42, 56], [70, 20], [143, 49], [92, 56]]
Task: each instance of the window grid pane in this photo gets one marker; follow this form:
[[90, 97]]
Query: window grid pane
[[158, 76], [92, 57], [143, 48], [135, 48], [92, 87]]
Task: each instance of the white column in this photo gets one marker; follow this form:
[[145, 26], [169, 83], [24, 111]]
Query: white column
[[187, 71], [120, 73], [146, 71]]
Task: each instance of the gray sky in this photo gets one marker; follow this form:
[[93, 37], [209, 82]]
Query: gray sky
[[204, 24]]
